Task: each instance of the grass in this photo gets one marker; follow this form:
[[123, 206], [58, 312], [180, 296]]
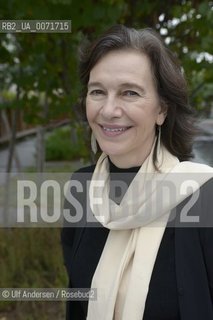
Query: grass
[[31, 258]]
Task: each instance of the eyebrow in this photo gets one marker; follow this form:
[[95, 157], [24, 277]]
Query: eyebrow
[[122, 85], [132, 85]]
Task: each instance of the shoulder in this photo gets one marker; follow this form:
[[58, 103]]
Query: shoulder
[[194, 167], [78, 182], [208, 186], [206, 198], [87, 171], [201, 172], [90, 168], [195, 211], [195, 176], [83, 174]]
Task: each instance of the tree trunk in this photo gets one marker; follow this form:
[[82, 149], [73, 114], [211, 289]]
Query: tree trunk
[[9, 134], [10, 159], [41, 137]]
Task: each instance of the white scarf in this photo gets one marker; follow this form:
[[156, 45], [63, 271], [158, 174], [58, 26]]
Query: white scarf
[[136, 229]]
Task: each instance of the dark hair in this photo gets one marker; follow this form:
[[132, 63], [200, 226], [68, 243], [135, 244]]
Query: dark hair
[[178, 129]]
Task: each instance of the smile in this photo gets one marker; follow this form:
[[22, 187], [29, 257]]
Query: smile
[[112, 131]]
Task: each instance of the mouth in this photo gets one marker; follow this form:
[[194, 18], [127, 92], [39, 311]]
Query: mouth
[[111, 131]]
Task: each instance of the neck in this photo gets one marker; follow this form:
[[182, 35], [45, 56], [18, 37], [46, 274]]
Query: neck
[[131, 160]]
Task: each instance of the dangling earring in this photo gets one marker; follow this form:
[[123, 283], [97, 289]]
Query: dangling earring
[[93, 143], [159, 140]]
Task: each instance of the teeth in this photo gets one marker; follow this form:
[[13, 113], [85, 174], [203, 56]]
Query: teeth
[[114, 130]]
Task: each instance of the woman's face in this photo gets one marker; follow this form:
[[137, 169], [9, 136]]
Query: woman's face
[[123, 107]]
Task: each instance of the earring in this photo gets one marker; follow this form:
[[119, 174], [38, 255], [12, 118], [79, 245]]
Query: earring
[[159, 140], [93, 143]]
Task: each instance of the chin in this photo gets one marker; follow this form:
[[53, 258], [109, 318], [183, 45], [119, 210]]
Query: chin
[[114, 150]]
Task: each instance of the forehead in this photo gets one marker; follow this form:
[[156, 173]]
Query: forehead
[[122, 64]]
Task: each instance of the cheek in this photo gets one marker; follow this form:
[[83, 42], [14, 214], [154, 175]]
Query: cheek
[[154, 115], [90, 111]]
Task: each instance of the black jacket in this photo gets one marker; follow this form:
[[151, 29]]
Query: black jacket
[[82, 248]]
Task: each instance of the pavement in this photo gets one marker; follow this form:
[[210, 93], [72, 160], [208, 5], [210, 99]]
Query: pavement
[[25, 150]]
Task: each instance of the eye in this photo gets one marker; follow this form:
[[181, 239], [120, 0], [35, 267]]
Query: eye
[[130, 93], [96, 92]]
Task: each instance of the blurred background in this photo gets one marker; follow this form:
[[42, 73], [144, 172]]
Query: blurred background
[[40, 124]]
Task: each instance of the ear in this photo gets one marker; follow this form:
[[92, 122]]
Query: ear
[[162, 114]]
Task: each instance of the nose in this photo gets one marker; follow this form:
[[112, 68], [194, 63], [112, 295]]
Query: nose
[[111, 108]]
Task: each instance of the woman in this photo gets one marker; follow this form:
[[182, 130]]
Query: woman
[[138, 251]]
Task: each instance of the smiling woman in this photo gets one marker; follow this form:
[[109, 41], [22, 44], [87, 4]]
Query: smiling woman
[[127, 245], [123, 107]]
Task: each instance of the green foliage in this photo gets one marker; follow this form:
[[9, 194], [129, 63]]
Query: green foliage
[[192, 40], [32, 259], [46, 64], [61, 147]]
